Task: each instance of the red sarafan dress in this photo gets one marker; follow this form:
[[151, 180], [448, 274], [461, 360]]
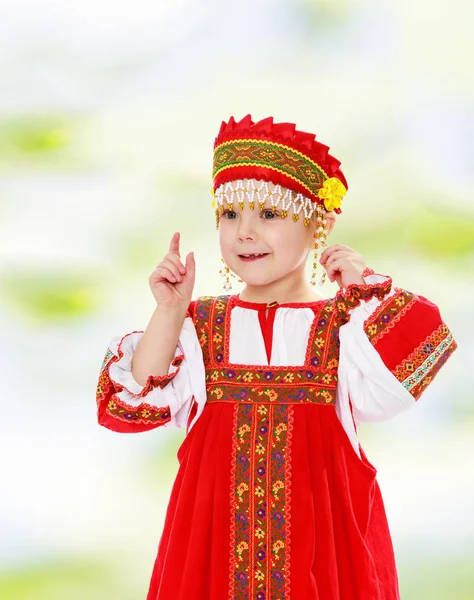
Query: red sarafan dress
[[274, 497]]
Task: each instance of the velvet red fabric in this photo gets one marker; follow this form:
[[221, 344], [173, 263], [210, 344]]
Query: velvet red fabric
[[340, 541]]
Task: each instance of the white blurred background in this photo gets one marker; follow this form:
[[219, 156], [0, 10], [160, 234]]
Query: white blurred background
[[108, 113]]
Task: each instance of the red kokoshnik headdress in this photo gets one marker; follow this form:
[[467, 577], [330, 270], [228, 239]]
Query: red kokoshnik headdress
[[278, 153], [276, 162]]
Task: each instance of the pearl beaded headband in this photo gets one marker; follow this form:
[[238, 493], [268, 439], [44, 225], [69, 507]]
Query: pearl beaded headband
[[258, 191]]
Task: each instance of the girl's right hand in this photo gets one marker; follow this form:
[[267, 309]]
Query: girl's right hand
[[171, 282]]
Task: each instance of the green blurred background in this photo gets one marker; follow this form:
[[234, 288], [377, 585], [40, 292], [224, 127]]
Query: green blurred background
[[108, 113]]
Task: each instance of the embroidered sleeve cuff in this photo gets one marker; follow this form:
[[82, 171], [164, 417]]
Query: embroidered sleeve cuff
[[409, 333], [120, 371], [376, 287], [420, 368]]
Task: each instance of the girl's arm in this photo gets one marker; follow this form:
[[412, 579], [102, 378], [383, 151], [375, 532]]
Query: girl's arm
[[155, 377], [156, 348], [163, 398], [392, 345]]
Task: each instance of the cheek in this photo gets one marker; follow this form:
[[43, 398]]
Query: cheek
[[225, 244], [292, 241], [224, 237]]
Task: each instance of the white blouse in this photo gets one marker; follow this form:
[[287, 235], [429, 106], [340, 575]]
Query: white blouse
[[363, 379]]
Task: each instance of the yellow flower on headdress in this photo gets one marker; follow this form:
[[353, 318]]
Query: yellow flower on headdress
[[213, 198], [332, 192]]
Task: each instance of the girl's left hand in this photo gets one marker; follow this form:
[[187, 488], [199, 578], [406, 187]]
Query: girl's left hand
[[343, 265]]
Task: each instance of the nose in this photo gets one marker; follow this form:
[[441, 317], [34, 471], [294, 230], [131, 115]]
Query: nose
[[245, 237], [246, 230]]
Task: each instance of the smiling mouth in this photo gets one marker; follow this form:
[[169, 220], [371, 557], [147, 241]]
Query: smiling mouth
[[251, 257]]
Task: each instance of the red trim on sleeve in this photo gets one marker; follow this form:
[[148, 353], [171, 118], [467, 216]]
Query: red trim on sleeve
[[191, 307], [123, 426]]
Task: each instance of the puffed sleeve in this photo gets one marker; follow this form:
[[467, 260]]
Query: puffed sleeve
[[392, 345], [172, 400]]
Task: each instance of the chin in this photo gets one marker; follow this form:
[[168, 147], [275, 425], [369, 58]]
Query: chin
[[256, 280]]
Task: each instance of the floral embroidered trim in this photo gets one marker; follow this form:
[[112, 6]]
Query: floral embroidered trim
[[161, 381], [269, 155], [143, 414], [418, 370], [348, 298], [418, 389], [288, 482], [291, 377], [235, 553], [202, 324], [260, 533], [322, 352], [388, 313], [280, 395]]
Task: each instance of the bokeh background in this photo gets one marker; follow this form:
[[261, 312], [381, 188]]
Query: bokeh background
[[108, 113]]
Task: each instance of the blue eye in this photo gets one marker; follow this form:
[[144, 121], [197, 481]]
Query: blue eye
[[226, 213], [273, 215]]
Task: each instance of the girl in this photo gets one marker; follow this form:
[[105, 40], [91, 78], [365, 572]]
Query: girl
[[274, 496]]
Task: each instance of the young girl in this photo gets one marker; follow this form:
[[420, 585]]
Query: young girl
[[274, 496]]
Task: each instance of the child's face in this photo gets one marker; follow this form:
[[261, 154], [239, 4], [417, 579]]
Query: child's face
[[286, 243]]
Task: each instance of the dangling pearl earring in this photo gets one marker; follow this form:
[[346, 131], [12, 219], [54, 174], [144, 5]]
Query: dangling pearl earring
[[319, 244], [225, 273], [323, 245], [315, 264]]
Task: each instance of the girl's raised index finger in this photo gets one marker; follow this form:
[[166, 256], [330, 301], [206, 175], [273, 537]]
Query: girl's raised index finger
[[174, 244]]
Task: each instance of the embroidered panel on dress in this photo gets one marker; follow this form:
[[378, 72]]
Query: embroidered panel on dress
[[201, 323], [418, 370], [315, 381], [260, 502]]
